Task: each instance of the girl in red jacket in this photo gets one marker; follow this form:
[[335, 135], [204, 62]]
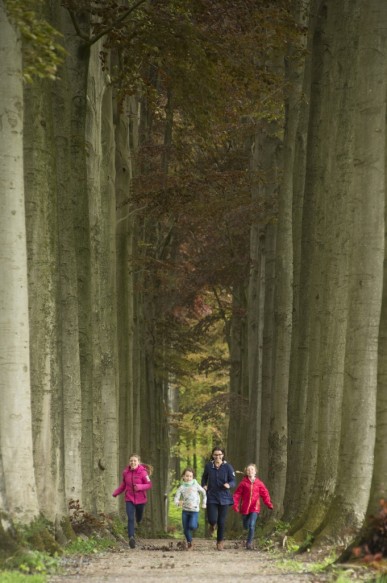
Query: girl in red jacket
[[135, 482], [247, 501]]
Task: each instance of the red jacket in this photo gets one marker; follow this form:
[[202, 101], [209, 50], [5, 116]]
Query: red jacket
[[130, 478], [247, 496]]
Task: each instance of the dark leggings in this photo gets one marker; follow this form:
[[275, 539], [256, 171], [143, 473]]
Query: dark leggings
[[133, 510], [216, 514]]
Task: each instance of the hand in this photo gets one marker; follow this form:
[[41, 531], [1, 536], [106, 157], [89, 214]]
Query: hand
[[135, 488], [205, 487], [227, 485], [204, 506], [181, 503]]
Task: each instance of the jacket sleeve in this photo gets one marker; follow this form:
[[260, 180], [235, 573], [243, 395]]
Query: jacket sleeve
[[177, 496], [146, 483], [237, 498], [205, 476], [230, 475], [204, 495], [120, 488], [264, 493]]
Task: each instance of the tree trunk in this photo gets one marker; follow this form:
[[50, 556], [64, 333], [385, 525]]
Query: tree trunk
[[100, 189], [365, 275], [42, 245], [18, 496], [69, 124]]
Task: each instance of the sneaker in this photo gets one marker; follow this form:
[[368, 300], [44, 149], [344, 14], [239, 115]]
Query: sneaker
[[249, 547], [132, 542], [220, 545], [189, 547]]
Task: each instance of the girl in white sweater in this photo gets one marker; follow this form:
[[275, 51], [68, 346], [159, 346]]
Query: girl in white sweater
[[189, 491]]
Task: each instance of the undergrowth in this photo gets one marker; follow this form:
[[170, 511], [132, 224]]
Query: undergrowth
[[16, 577]]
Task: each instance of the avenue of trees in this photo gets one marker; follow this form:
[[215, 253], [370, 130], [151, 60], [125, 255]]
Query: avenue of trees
[[192, 207]]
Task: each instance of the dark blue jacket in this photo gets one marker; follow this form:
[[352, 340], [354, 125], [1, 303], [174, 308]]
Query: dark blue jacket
[[215, 478]]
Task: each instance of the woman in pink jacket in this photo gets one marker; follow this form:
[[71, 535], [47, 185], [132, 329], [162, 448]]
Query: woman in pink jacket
[[247, 501], [135, 482]]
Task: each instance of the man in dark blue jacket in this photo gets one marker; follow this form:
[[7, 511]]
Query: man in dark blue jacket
[[218, 477]]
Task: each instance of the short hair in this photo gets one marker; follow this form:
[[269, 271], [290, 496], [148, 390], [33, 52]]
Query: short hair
[[188, 470], [218, 449]]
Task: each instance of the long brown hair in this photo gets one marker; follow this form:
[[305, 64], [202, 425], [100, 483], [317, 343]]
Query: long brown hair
[[148, 467]]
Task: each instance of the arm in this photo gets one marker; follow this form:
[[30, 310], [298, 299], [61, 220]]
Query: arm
[[237, 498], [230, 476], [177, 496], [145, 485], [204, 495], [120, 488], [205, 477], [264, 493]]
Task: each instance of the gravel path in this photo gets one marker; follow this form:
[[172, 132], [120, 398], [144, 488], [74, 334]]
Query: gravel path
[[162, 560]]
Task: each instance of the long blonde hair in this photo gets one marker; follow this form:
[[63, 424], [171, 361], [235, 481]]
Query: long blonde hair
[[248, 466]]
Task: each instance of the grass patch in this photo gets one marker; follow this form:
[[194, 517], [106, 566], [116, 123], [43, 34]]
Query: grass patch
[[81, 546], [16, 577]]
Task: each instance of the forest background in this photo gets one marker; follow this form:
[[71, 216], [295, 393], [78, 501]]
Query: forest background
[[193, 237]]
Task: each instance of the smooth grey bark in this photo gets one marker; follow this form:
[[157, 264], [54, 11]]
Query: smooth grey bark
[[328, 175], [18, 496], [283, 299], [299, 359], [43, 290], [239, 387], [379, 478], [264, 166], [365, 274], [69, 119], [100, 167], [267, 349]]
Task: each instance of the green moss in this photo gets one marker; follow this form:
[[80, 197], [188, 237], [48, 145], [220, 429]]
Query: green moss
[[40, 535], [67, 529]]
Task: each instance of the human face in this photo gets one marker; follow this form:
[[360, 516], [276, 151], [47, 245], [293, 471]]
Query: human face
[[188, 477], [134, 462], [251, 471], [218, 456]]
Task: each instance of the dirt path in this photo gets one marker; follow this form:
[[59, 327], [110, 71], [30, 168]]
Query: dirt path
[[162, 560]]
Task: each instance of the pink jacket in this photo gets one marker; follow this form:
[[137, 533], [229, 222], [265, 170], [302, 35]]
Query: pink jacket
[[247, 496], [135, 483]]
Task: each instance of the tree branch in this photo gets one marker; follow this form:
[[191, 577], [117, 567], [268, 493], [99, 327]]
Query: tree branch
[[76, 26], [96, 38]]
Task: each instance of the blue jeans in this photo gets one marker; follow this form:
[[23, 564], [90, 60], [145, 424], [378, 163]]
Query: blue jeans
[[190, 522], [216, 514], [132, 511], [249, 522]]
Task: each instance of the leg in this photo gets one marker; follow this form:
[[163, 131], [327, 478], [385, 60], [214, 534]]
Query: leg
[[130, 511], [212, 515], [139, 512], [252, 520], [222, 514], [185, 518], [193, 524], [194, 520]]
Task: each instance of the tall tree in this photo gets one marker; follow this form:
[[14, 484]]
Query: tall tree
[[18, 497]]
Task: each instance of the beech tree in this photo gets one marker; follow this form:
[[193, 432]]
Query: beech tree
[[18, 498]]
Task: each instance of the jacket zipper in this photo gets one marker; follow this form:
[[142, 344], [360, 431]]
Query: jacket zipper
[[251, 496]]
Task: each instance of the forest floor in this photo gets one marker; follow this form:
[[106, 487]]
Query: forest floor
[[159, 560]]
